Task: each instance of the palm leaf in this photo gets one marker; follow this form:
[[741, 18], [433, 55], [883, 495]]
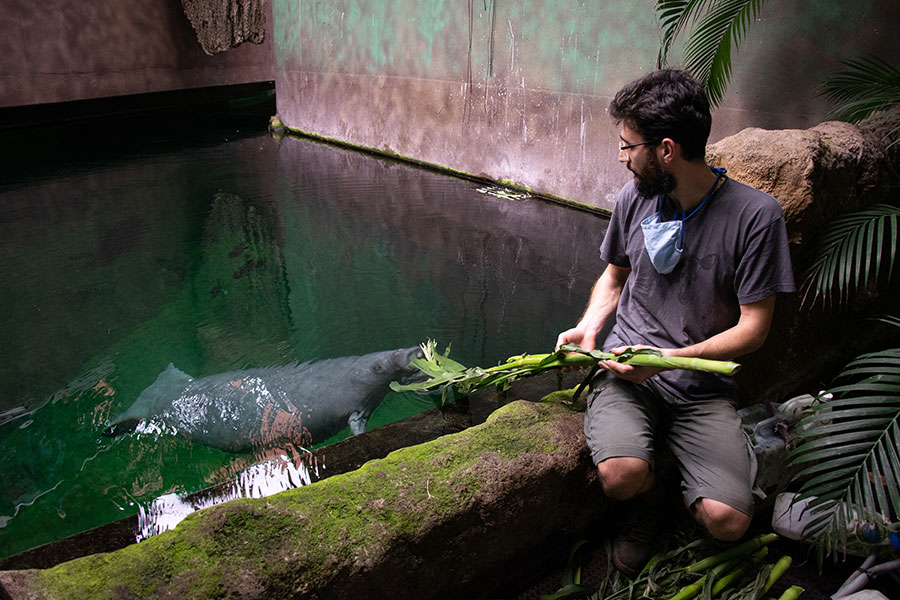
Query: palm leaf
[[869, 85], [890, 320], [708, 49], [850, 451], [850, 250], [673, 17]]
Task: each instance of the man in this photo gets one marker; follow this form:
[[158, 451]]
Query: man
[[695, 260]]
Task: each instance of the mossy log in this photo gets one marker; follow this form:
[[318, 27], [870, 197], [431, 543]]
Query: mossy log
[[428, 521]]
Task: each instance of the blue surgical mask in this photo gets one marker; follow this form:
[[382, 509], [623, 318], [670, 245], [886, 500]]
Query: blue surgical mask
[[664, 240]]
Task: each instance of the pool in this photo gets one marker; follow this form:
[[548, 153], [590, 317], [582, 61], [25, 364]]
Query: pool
[[215, 246]]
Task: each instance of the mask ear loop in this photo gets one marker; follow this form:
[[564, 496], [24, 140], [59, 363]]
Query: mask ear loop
[[719, 174]]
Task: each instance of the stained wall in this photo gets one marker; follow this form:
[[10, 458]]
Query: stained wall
[[57, 51], [517, 89]]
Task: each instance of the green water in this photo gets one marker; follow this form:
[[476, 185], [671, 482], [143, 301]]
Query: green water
[[223, 248]]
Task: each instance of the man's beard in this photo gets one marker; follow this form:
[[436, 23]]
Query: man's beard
[[654, 180]]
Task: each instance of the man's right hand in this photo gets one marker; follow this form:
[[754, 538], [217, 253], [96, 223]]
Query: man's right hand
[[580, 335], [600, 309]]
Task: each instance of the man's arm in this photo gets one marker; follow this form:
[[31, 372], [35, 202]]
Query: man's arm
[[602, 305], [743, 338]]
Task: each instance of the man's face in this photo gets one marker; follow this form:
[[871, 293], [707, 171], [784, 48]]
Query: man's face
[[650, 177]]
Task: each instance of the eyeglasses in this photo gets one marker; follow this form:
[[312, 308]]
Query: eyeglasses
[[623, 146]]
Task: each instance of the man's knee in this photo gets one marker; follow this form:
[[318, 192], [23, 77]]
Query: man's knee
[[624, 477], [721, 521]]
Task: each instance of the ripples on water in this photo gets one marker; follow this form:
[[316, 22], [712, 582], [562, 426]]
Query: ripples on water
[[258, 481]]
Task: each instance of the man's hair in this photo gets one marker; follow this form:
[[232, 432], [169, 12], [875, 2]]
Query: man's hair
[[666, 104]]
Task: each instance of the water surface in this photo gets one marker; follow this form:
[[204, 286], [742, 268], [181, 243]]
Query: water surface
[[220, 248]]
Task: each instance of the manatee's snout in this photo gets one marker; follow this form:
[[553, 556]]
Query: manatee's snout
[[407, 374], [121, 428]]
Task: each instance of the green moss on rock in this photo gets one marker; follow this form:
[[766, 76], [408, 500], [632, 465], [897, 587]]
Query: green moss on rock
[[340, 527]]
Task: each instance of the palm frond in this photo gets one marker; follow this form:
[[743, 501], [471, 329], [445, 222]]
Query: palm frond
[[673, 17], [890, 320], [708, 49], [850, 251], [869, 84], [849, 456]]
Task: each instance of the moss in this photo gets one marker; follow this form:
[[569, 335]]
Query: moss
[[441, 169], [254, 546], [567, 398]]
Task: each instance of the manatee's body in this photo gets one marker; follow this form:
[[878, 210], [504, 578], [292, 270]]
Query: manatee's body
[[264, 407]]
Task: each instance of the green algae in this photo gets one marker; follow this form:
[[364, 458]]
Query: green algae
[[386, 153], [299, 538]]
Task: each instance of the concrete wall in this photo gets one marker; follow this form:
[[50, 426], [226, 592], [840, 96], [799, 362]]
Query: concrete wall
[[518, 89], [58, 50]]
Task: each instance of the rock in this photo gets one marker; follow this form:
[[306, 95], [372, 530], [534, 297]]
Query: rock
[[224, 24], [435, 520], [816, 175]]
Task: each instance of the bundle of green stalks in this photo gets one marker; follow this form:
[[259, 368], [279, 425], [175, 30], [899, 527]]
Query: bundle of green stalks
[[444, 372], [738, 573]]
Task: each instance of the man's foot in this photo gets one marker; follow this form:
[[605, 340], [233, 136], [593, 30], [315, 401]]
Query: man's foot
[[633, 546]]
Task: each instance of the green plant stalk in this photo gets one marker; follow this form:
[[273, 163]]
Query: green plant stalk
[[781, 566], [689, 592], [730, 577], [531, 361], [650, 357], [653, 560], [738, 572], [445, 372], [740, 550], [792, 593]]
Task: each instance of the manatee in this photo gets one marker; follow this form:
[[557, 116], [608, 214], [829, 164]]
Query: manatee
[[264, 407]]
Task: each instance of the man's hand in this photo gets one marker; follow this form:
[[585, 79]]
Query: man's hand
[[579, 335], [601, 307], [628, 372]]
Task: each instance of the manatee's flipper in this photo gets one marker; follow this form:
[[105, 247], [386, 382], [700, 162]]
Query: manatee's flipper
[[357, 422], [121, 428]]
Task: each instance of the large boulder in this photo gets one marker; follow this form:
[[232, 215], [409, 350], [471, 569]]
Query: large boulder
[[815, 174], [435, 520]]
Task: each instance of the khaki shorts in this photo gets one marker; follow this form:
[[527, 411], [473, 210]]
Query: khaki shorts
[[714, 455]]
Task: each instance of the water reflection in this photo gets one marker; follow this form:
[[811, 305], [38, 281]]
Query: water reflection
[[257, 481], [218, 256]]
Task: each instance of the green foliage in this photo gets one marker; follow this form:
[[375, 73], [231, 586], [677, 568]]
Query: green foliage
[[444, 372], [850, 454], [869, 85], [693, 569], [720, 25], [850, 250]]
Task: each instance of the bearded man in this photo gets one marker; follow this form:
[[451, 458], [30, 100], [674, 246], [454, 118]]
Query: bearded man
[[695, 261]]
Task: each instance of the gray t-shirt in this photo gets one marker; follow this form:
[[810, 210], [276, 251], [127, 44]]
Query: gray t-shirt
[[735, 252]]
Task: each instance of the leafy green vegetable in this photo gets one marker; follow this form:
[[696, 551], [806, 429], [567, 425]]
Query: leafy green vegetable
[[444, 372]]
